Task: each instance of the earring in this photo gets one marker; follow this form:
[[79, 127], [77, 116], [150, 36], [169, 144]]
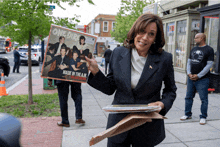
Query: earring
[[154, 42]]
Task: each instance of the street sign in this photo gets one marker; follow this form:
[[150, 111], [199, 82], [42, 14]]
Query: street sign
[[51, 7], [152, 8]]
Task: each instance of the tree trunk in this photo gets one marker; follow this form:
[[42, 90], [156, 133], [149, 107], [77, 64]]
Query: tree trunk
[[30, 100]]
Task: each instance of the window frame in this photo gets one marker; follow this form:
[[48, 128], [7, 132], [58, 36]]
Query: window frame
[[104, 26], [113, 25]]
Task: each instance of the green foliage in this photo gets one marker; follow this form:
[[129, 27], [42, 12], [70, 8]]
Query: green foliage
[[32, 18], [127, 15], [44, 105]]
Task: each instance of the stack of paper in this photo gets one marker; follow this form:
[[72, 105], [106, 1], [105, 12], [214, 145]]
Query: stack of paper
[[130, 108], [145, 114]]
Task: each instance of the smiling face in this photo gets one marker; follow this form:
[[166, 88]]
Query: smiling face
[[145, 38], [82, 41], [62, 40], [63, 52], [75, 55]]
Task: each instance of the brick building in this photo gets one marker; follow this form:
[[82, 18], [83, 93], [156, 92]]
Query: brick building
[[80, 28], [101, 26]]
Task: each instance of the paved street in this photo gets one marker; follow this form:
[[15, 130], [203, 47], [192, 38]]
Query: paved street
[[14, 77]]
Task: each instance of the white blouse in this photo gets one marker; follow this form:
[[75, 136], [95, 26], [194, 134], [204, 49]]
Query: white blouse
[[59, 48], [137, 66]]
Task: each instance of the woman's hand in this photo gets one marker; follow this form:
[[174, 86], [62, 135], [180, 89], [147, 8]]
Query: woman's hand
[[158, 103], [92, 65]]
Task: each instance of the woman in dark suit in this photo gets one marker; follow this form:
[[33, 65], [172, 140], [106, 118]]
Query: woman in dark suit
[[136, 72]]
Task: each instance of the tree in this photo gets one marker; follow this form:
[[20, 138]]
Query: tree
[[128, 13], [31, 18]]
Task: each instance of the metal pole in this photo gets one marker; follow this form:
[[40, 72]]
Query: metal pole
[[163, 9]]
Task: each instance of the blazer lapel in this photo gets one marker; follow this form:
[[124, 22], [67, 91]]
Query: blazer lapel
[[150, 68], [125, 66]]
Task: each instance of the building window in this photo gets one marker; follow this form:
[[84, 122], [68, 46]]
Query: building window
[[180, 44], [105, 26], [211, 31], [113, 26], [170, 37]]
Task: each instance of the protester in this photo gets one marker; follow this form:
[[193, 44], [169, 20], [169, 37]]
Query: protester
[[107, 56], [136, 72], [198, 70], [17, 60]]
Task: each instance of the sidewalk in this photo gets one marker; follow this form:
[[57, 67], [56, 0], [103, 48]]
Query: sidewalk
[[40, 131], [178, 133]]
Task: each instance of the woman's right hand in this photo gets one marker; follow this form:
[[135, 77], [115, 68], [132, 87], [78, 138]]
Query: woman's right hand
[[93, 66]]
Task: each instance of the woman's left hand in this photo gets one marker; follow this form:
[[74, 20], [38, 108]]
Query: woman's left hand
[[158, 103]]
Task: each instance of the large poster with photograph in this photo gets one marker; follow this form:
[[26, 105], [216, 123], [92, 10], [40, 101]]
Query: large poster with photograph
[[65, 54]]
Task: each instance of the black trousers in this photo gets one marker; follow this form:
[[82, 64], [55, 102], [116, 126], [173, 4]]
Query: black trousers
[[16, 66], [76, 94]]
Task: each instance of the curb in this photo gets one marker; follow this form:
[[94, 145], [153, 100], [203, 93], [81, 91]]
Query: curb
[[18, 82]]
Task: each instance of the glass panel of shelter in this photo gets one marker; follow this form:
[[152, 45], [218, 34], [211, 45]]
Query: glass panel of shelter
[[180, 44], [211, 27]]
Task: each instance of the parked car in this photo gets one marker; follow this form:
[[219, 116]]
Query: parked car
[[35, 54], [4, 66]]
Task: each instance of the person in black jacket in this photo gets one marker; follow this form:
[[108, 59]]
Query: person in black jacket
[[57, 46], [107, 56], [17, 60], [136, 73]]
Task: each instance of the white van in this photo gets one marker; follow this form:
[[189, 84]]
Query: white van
[[35, 54]]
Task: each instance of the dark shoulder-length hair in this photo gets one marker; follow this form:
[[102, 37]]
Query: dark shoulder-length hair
[[82, 37], [139, 25]]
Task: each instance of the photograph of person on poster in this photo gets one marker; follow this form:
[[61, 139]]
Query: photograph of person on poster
[[74, 61], [83, 51], [82, 48], [57, 46], [62, 63]]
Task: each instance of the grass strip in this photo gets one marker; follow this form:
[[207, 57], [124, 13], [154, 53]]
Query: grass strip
[[45, 105]]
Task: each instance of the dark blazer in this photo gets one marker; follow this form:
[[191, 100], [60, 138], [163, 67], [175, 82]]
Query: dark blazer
[[58, 60], [158, 68], [57, 72], [17, 56], [107, 55], [56, 45]]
